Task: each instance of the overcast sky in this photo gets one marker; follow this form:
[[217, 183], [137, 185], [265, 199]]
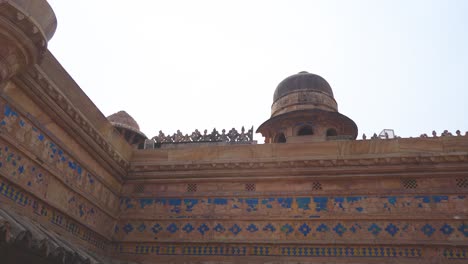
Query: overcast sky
[[203, 64]]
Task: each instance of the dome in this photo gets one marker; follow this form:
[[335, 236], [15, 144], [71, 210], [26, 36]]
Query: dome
[[303, 91], [303, 81], [128, 128], [124, 120], [305, 110]]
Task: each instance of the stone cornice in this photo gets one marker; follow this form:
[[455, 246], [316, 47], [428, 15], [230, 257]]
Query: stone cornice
[[48, 94], [292, 166]]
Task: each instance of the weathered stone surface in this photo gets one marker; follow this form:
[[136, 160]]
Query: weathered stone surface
[[72, 190]]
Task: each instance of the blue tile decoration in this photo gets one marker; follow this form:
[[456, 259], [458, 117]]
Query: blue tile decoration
[[252, 228], [269, 228], [252, 204], [321, 203], [392, 229], [203, 228], [303, 203], [172, 228], [189, 204], [304, 229], [145, 202], [322, 228], [446, 229], [141, 227], [340, 229], [268, 202], [128, 228], [455, 253], [428, 230], [188, 228], [219, 228], [287, 228], [219, 201], [23, 199], [374, 229], [463, 228], [235, 229], [261, 251], [156, 228], [290, 251], [298, 207], [285, 202], [213, 251], [27, 133]]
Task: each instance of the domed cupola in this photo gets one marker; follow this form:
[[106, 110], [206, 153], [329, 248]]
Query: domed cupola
[[127, 127], [304, 109]]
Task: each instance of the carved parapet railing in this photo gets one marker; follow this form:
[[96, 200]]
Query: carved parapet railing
[[232, 136], [389, 134]]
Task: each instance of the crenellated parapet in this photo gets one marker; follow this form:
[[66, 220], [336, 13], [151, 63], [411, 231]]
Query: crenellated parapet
[[25, 29]]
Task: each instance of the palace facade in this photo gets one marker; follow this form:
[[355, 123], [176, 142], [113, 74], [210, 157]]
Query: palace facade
[[78, 187]]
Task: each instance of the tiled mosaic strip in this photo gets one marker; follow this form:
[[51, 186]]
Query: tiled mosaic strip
[[303, 207], [299, 230], [12, 194], [73, 173], [281, 251], [456, 253], [21, 170]]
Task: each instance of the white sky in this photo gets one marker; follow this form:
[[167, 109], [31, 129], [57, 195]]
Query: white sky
[[203, 64]]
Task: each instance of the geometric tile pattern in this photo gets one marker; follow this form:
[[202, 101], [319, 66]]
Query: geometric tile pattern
[[392, 229], [235, 229], [428, 230], [350, 252], [288, 251], [300, 230], [339, 229], [456, 253], [203, 229], [304, 229], [374, 229], [446, 229], [10, 193]]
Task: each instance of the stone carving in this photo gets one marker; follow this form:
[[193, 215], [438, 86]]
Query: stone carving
[[232, 136], [52, 91], [446, 133]]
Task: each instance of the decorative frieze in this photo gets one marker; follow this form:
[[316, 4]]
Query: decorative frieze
[[53, 92], [31, 174]]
